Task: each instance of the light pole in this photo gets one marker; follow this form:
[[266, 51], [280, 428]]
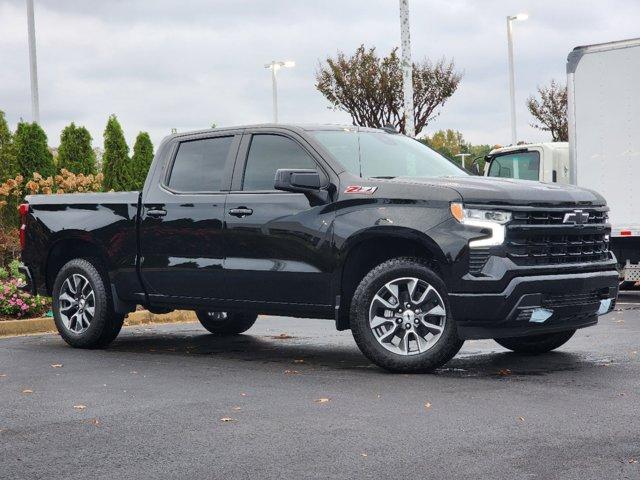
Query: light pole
[[512, 92], [33, 64], [275, 66], [407, 69], [462, 157]]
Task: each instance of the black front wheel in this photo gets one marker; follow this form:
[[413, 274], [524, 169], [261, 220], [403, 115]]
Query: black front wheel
[[400, 317], [535, 344], [226, 323]]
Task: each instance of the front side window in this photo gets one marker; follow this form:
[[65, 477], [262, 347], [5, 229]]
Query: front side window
[[267, 154], [520, 165], [199, 165], [379, 154]]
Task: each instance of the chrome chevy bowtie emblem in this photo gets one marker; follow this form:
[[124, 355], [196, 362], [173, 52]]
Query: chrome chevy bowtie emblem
[[577, 217]]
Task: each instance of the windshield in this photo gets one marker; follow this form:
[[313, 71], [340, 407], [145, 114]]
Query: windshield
[[521, 165], [380, 154]]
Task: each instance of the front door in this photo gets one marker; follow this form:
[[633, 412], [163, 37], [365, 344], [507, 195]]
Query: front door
[[181, 227], [278, 244]]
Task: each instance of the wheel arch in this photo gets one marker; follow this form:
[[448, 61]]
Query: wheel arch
[[369, 248], [67, 247]]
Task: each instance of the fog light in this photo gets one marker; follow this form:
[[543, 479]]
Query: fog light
[[605, 306], [540, 315]]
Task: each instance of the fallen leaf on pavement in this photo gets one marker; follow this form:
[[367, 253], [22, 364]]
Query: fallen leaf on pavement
[[94, 421], [504, 372], [80, 407], [2, 375], [227, 419], [243, 394], [237, 409], [521, 419], [291, 372], [282, 336], [56, 365], [133, 372], [364, 454], [322, 400], [633, 460], [27, 391], [427, 405], [298, 360]]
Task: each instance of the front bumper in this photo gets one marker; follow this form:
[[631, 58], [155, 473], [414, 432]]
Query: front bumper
[[535, 305]]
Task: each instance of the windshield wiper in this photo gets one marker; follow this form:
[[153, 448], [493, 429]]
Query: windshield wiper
[[384, 176]]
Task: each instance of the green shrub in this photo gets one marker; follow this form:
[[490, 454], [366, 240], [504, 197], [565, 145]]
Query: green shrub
[[75, 153], [32, 151]]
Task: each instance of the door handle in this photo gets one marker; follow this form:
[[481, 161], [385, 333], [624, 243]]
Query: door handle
[[156, 212], [240, 212]]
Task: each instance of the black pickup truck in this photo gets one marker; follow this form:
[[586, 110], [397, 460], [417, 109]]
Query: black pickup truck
[[366, 227]]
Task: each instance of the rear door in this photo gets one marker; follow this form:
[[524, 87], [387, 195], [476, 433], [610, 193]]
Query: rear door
[[182, 219], [278, 244]]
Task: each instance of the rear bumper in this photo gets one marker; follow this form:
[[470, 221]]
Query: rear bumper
[[537, 304]]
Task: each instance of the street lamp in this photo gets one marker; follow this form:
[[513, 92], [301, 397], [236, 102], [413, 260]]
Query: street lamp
[[407, 69], [462, 157], [33, 63], [275, 66], [512, 93]]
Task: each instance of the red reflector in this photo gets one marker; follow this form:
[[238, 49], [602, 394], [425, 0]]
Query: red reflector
[[625, 233], [23, 209]]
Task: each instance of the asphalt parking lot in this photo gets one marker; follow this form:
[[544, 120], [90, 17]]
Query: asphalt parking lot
[[293, 398]]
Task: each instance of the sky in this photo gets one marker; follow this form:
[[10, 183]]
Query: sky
[[161, 64]]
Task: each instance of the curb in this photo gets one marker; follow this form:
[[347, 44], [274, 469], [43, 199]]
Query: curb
[[30, 326]]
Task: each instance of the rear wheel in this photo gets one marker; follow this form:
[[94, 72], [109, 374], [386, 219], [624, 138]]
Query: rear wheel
[[82, 305], [535, 344], [226, 323], [400, 317]]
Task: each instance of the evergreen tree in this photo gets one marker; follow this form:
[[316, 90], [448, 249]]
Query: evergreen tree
[[8, 167], [32, 152], [115, 160], [141, 160], [75, 152]]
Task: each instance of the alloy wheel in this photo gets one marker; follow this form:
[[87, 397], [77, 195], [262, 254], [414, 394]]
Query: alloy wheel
[[407, 316], [76, 303]]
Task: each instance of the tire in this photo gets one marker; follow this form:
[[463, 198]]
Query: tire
[[92, 331], [536, 344], [377, 344], [226, 323]]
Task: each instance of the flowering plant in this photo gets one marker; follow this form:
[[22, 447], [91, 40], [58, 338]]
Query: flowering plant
[[16, 303]]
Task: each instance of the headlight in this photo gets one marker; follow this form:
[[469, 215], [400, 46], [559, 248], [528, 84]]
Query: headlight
[[493, 220]]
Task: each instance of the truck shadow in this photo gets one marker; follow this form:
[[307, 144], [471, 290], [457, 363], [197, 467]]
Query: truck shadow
[[298, 354]]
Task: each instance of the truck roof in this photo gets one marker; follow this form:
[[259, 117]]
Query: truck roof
[[545, 145], [286, 126], [576, 54]]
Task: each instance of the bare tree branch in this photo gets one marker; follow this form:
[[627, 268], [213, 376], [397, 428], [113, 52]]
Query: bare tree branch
[[551, 111]]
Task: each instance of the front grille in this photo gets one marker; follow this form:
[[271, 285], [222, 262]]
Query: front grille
[[540, 237], [556, 217]]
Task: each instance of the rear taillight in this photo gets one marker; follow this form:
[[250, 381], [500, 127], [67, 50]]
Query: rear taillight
[[23, 209]]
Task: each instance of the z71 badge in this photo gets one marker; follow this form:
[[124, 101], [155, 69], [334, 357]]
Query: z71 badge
[[360, 189]]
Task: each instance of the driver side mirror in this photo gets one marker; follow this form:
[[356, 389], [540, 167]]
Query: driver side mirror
[[304, 181]]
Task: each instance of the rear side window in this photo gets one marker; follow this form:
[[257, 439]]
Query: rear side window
[[267, 154], [199, 165]]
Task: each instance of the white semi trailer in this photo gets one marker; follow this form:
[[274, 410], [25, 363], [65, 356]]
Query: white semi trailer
[[603, 152]]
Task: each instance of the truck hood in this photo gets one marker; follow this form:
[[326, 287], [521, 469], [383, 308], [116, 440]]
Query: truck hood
[[506, 191]]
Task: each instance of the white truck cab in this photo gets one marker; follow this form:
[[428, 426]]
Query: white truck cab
[[544, 162]]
